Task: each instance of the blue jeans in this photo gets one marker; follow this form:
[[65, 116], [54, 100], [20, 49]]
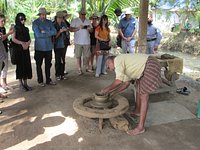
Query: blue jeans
[[128, 46], [101, 64], [150, 47]]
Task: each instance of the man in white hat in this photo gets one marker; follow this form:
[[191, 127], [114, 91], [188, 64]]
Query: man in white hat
[[43, 31], [82, 28], [127, 30]]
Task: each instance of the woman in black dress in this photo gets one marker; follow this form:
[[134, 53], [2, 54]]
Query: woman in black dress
[[21, 42]]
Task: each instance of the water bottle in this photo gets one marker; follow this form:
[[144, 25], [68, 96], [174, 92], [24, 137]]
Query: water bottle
[[198, 113]]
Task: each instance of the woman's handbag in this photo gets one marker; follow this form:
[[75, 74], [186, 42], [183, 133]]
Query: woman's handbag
[[12, 52], [104, 45]]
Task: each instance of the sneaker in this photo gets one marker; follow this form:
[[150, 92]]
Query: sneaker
[[64, 78], [89, 70], [6, 87], [66, 73], [41, 84], [2, 90], [105, 73], [97, 75], [51, 83], [58, 78], [80, 72]]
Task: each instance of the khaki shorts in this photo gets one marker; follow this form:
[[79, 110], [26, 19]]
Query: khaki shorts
[[92, 49], [82, 49]]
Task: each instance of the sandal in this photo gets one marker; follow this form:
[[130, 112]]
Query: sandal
[[3, 96], [80, 72], [135, 131], [183, 91]]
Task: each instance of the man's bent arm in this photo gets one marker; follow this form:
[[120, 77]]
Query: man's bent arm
[[116, 86], [121, 87]]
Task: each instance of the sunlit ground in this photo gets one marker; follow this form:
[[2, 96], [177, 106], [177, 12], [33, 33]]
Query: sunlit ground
[[68, 127]]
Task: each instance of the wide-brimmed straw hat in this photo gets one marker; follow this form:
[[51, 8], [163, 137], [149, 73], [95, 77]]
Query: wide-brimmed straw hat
[[43, 11], [94, 16], [60, 14]]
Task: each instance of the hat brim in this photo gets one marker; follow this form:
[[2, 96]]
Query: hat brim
[[47, 13], [128, 13], [68, 16]]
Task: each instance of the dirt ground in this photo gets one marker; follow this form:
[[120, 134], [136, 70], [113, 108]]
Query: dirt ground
[[44, 118]]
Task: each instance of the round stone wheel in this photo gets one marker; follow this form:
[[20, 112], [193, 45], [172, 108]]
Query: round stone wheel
[[85, 111]]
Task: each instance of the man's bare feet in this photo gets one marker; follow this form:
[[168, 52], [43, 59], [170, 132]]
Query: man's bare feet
[[136, 131]]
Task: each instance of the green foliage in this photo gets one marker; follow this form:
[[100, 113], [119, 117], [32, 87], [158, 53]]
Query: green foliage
[[30, 7], [3, 6], [123, 4]]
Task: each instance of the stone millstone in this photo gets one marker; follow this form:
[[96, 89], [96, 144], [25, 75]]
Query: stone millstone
[[119, 123]]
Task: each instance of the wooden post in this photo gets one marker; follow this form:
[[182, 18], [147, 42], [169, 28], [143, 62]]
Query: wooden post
[[83, 3], [143, 18], [66, 2]]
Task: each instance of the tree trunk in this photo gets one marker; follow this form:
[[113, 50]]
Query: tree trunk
[[199, 24], [66, 2], [83, 3], [143, 18]]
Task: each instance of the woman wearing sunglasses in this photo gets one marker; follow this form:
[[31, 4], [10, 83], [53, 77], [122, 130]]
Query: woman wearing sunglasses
[[21, 42]]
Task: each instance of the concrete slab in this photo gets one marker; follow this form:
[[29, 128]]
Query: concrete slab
[[166, 112]]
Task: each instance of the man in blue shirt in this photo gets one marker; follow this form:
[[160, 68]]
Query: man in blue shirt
[[153, 37], [127, 30], [43, 31]]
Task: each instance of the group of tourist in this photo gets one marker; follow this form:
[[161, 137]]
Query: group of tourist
[[91, 38]]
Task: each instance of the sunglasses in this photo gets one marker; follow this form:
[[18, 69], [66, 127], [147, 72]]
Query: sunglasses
[[83, 14], [23, 19]]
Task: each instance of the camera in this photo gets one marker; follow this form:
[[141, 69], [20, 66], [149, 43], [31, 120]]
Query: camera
[[85, 27], [12, 26]]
